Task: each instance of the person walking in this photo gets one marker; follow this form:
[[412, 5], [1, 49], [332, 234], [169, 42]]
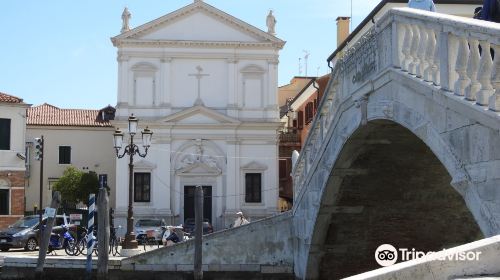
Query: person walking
[[491, 10], [426, 5], [240, 220]]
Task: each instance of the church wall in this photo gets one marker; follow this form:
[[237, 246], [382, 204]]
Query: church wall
[[243, 80], [213, 88], [233, 124], [260, 157]]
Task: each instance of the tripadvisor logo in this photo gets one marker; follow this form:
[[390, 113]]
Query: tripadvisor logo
[[387, 255]]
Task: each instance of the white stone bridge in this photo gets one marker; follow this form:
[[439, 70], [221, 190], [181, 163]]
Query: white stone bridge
[[405, 150]]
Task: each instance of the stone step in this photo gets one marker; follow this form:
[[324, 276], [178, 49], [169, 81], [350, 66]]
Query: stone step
[[478, 278]]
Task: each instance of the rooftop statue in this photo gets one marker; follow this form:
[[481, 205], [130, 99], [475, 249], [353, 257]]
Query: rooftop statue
[[271, 23]]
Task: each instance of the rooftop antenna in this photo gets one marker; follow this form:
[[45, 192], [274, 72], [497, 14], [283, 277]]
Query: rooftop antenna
[[351, 18], [306, 57], [300, 67]]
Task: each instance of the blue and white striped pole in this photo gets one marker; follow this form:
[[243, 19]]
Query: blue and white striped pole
[[90, 234]]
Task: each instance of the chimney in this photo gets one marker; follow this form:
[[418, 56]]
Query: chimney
[[342, 29]]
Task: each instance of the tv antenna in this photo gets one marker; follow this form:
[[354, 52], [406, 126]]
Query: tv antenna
[[300, 67], [306, 57]]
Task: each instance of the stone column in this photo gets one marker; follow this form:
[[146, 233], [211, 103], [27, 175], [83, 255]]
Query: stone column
[[232, 90], [271, 102], [232, 171], [123, 81], [161, 185], [165, 82]]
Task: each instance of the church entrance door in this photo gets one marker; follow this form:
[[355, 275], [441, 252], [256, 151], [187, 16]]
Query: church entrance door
[[189, 192]]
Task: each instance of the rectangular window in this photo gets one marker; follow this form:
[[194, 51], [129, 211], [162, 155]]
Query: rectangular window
[[300, 116], [4, 202], [253, 187], [103, 180], [4, 134], [309, 112], [142, 187], [64, 155], [283, 169]]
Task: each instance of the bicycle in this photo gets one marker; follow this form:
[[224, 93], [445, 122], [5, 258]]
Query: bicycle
[[151, 239], [82, 244], [114, 242]]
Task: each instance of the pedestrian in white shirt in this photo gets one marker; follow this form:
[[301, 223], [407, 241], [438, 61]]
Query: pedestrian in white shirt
[[427, 5], [241, 220]]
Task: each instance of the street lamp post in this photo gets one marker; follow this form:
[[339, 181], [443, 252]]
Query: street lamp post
[[131, 149]]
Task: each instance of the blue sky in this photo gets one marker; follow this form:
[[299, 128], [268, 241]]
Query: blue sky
[[59, 51]]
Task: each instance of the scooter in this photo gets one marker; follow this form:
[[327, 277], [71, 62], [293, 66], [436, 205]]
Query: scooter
[[64, 241]]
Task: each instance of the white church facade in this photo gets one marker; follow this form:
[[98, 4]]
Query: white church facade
[[206, 84]]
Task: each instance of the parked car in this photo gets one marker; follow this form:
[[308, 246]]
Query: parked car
[[189, 225], [142, 226], [24, 232]]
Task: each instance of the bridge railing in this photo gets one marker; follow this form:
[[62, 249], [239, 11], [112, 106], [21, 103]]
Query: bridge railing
[[461, 56], [455, 53]]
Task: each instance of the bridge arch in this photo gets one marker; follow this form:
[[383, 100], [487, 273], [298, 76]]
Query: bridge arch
[[386, 187]]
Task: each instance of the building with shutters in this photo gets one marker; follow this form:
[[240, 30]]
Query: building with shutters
[[81, 138]]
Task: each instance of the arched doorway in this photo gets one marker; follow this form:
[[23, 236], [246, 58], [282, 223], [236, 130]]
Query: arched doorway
[[387, 187]]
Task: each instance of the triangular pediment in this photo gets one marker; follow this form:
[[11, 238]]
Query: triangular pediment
[[199, 115], [197, 22]]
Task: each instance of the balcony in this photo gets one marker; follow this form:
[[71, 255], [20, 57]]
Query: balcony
[[290, 135]]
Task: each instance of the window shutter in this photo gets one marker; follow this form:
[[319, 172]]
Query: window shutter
[[283, 168], [309, 112], [4, 134], [300, 116], [64, 154]]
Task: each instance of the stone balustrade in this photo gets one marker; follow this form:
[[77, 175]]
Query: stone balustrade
[[456, 55]]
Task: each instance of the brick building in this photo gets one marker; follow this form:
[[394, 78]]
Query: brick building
[[299, 101], [12, 158]]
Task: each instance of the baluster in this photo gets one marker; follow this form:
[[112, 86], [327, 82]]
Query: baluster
[[495, 98], [430, 55], [436, 73], [421, 52], [413, 49], [406, 47], [461, 66], [397, 45], [484, 74], [472, 69]]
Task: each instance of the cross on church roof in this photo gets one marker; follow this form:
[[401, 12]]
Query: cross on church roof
[[198, 77]]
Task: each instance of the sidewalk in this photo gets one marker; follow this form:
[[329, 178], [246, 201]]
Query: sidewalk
[[58, 255]]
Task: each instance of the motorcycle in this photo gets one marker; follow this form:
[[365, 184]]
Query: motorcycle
[[64, 240]]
